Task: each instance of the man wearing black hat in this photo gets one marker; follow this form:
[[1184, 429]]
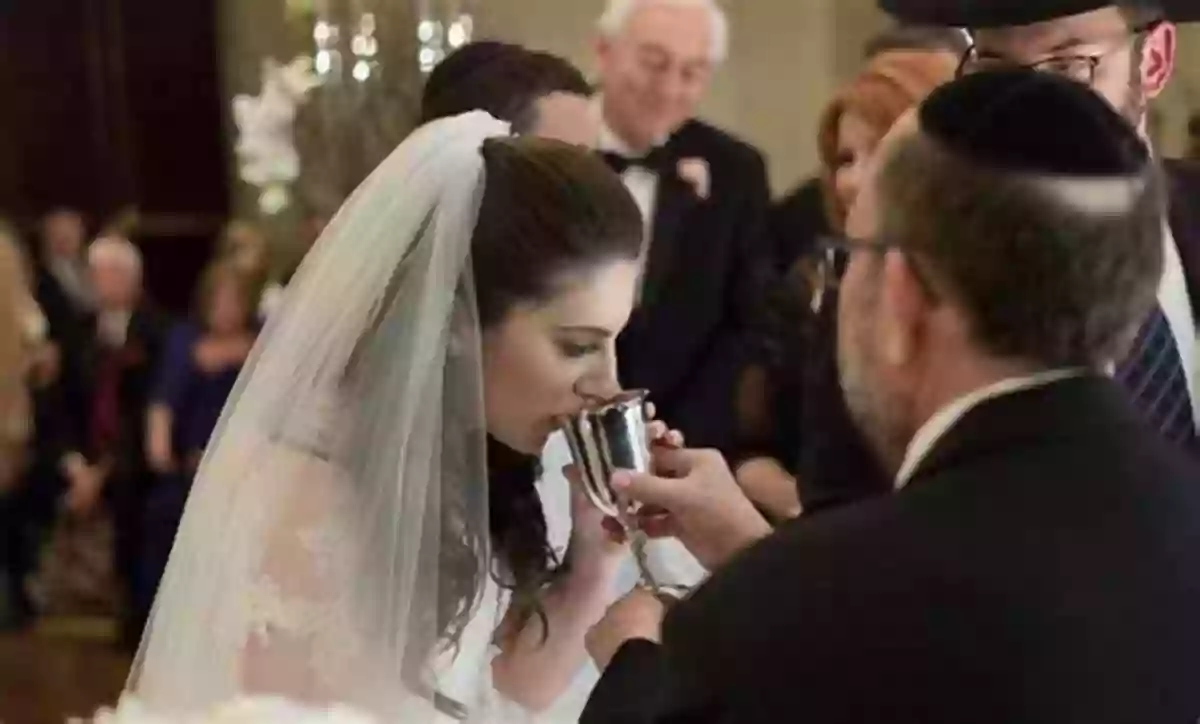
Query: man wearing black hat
[[1040, 559], [1125, 51]]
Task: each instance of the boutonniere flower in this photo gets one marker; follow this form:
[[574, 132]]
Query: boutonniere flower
[[695, 172]]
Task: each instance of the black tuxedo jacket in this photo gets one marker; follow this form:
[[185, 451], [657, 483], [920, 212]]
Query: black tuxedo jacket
[[1043, 565], [704, 274]]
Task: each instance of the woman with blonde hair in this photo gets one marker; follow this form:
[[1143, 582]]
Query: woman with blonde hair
[[801, 452]]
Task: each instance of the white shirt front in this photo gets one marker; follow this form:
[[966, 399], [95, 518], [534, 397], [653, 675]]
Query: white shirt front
[[936, 427], [641, 181], [1177, 307]]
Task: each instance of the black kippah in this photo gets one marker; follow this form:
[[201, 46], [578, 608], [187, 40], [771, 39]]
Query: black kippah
[[1026, 121]]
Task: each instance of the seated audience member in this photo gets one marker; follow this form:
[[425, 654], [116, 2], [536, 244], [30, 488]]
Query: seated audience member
[[800, 448], [1040, 559], [537, 92]]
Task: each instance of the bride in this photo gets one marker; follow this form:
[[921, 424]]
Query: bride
[[364, 528]]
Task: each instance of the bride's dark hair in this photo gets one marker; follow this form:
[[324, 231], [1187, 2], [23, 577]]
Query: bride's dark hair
[[548, 210]]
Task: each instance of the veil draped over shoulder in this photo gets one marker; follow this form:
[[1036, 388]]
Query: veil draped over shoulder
[[335, 542]]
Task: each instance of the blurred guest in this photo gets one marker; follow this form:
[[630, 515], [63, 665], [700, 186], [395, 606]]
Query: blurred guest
[[200, 365], [801, 450], [104, 463], [539, 93], [63, 282], [1040, 558], [244, 244], [704, 198], [800, 217], [23, 350], [23, 354], [63, 288]]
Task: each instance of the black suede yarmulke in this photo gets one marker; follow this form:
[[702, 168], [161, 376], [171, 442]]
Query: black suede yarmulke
[[1025, 121]]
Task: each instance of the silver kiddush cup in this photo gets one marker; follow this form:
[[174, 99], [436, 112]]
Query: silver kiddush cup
[[608, 436]]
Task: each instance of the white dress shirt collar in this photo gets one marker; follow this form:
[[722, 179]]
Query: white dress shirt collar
[[936, 427]]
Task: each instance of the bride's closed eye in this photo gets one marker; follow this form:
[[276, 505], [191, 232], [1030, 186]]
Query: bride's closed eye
[[579, 342], [574, 350]]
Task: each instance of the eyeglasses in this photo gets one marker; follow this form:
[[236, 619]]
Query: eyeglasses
[[832, 258], [1079, 68]]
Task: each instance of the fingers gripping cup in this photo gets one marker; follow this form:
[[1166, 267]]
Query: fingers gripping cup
[[607, 436]]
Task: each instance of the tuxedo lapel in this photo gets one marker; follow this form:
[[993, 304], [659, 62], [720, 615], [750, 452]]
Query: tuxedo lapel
[[675, 199]]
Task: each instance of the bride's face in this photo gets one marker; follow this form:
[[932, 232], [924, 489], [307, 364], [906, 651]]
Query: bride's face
[[541, 357]]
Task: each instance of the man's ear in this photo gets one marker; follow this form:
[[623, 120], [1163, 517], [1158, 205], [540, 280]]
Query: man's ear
[[1158, 59]]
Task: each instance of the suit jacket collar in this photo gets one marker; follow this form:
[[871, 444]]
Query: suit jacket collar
[[1064, 409], [941, 423]]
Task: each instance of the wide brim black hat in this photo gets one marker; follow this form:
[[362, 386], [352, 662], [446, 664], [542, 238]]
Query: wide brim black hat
[[1012, 13]]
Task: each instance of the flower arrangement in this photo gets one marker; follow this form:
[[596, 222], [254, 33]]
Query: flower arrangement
[[266, 150], [250, 710]]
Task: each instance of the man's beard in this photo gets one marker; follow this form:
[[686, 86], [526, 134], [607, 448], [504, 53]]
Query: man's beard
[[877, 414]]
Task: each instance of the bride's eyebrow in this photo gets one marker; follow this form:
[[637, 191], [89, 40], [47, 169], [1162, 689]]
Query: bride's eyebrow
[[587, 329]]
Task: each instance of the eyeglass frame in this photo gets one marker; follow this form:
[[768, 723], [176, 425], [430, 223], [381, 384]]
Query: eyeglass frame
[[832, 259], [1092, 62]]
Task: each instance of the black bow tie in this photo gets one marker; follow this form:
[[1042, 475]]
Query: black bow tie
[[657, 160]]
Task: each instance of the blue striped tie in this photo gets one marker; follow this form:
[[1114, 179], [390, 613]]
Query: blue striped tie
[[1154, 375]]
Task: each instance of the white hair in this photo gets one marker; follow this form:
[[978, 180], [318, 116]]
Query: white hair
[[617, 14], [115, 251]]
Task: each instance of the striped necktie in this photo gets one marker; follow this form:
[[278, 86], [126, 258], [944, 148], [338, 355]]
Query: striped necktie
[[1153, 373]]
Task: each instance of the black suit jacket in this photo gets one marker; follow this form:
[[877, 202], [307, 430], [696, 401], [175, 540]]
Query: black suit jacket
[[1043, 565], [703, 278]]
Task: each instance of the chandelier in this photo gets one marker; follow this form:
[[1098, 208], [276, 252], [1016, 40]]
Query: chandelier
[[439, 27]]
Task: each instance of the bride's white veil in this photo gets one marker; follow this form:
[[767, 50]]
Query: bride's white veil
[[335, 540]]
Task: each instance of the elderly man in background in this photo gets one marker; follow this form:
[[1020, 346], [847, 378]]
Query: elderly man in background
[[704, 199], [101, 426]]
